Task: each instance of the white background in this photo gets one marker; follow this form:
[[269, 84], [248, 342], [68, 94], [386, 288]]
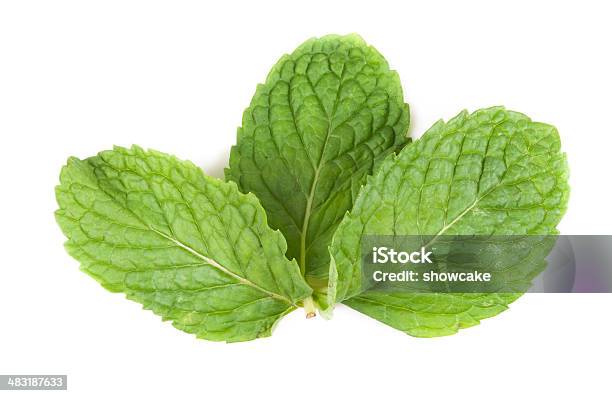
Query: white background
[[78, 77]]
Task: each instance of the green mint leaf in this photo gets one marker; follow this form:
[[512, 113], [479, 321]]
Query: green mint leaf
[[429, 314], [492, 172], [191, 248], [325, 117]]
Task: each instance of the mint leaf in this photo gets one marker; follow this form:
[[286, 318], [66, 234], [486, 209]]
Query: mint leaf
[[492, 172], [326, 115], [431, 315], [191, 248]]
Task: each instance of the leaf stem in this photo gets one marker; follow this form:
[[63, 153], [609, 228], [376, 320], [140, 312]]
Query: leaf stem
[[309, 307]]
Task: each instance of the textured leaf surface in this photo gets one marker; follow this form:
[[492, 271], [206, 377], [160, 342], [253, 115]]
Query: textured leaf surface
[[327, 114], [492, 172], [189, 247]]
